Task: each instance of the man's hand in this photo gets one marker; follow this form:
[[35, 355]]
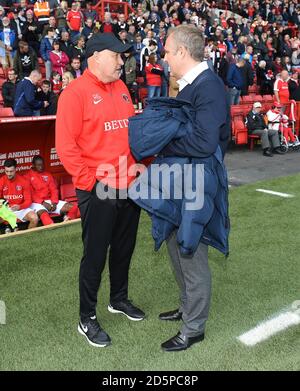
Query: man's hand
[[15, 208], [46, 104], [47, 206]]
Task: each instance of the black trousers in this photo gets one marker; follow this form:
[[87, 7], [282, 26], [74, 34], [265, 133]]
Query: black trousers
[[109, 223]]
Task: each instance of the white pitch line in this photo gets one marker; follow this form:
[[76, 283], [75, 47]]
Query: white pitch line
[[284, 195], [269, 328]]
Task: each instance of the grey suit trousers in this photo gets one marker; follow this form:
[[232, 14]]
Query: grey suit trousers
[[194, 280]]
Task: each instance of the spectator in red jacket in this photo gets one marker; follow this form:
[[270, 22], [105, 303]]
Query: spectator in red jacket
[[16, 190], [154, 73], [45, 194], [58, 58]]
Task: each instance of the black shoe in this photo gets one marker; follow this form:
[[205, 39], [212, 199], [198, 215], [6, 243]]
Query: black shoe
[[267, 152], [171, 315], [127, 308], [181, 342], [92, 331], [278, 151]]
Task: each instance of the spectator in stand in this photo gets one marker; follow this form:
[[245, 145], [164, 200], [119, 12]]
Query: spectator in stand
[[123, 36], [90, 13], [16, 190], [235, 81], [286, 64], [58, 58], [137, 47], [281, 88], [294, 88], [256, 124], [121, 24], [30, 33], [25, 60], [67, 78], [56, 83], [286, 49], [107, 26], [9, 88], [45, 194], [154, 73], [66, 44], [26, 104], [61, 16], [53, 24], [145, 54], [265, 78], [131, 34], [130, 75], [18, 21], [75, 22], [87, 31], [8, 42], [278, 65], [42, 14], [78, 51], [46, 48], [46, 95], [75, 68], [248, 75], [296, 57]]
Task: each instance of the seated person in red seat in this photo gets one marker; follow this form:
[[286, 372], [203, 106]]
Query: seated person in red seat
[[256, 124], [45, 194], [16, 190]]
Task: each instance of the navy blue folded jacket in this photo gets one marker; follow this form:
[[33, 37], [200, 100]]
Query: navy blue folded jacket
[[163, 121]]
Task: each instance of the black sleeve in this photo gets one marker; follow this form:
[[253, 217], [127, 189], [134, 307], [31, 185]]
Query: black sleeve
[[157, 71]]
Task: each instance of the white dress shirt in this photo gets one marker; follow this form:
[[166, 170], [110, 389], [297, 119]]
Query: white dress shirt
[[191, 75]]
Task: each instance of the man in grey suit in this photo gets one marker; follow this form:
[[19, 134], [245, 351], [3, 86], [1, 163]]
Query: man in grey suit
[[206, 92]]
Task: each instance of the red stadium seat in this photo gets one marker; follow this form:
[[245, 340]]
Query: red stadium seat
[[67, 192], [252, 139], [6, 112], [258, 98]]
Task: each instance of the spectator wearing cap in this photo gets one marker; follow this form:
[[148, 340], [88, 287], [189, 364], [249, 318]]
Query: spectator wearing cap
[[58, 58], [46, 48], [75, 22], [8, 44], [256, 124], [30, 33], [235, 81], [25, 60]]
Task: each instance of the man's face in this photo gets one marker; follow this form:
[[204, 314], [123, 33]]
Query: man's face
[[52, 21], [89, 23], [75, 64], [24, 49], [74, 6], [110, 65], [65, 36], [12, 76], [45, 88], [36, 79], [284, 75], [10, 172], [5, 22], [38, 165], [172, 57], [122, 18]]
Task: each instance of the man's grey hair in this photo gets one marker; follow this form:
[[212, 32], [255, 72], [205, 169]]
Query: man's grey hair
[[35, 72], [191, 38]]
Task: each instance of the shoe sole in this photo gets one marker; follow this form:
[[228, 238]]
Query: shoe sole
[[90, 342], [113, 311]]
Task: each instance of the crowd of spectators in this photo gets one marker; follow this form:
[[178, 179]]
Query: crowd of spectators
[[246, 42]]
